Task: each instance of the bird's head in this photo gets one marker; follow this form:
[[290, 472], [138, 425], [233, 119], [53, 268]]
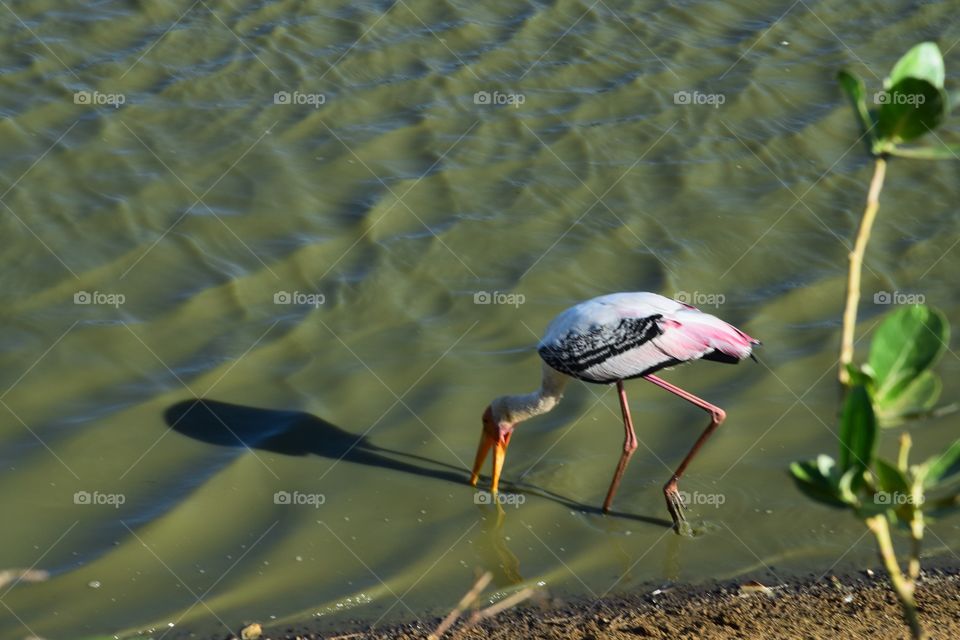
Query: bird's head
[[497, 430]]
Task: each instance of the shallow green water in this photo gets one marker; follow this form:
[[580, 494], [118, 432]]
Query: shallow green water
[[201, 200]]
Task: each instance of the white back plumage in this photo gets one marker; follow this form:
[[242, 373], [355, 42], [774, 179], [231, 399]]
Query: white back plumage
[[624, 335]]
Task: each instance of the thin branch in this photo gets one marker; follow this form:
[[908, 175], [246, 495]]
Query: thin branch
[[465, 602], [856, 265], [903, 586], [503, 605]]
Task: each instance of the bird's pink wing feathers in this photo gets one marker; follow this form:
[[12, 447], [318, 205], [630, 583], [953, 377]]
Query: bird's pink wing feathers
[[690, 334]]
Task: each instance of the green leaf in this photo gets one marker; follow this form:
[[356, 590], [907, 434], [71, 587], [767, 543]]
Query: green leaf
[[828, 468], [945, 152], [909, 109], [942, 466], [847, 486], [810, 479], [916, 399], [889, 478], [924, 62], [855, 89], [860, 375], [858, 431], [908, 341]]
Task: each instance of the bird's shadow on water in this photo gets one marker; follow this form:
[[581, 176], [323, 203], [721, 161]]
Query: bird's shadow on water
[[298, 433]]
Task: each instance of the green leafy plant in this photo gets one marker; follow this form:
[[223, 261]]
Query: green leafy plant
[[882, 493], [912, 103], [905, 347], [897, 382]]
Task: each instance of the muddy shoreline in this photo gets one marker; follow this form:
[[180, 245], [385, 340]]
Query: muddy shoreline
[[849, 606]]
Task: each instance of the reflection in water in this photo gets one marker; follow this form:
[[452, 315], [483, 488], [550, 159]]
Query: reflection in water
[[297, 433], [671, 559], [502, 562]]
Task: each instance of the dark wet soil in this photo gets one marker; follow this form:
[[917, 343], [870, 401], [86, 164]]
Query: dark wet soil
[[856, 606]]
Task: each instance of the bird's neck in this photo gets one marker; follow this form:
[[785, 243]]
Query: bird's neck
[[518, 408]]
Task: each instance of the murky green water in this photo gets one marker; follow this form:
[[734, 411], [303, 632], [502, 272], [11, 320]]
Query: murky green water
[[221, 188]]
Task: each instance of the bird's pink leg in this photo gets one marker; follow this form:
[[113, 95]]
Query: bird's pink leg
[[717, 416], [629, 446]]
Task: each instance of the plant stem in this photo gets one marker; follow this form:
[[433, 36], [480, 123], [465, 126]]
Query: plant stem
[[903, 586], [856, 265], [902, 459], [916, 515], [916, 537]]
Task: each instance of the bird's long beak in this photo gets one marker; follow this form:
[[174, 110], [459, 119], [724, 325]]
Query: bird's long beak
[[499, 455], [486, 441], [499, 444]]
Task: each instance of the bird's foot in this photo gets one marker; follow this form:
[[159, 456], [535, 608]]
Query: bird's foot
[[675, 507]]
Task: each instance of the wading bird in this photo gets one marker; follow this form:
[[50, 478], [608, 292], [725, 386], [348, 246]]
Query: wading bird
[[608, 340]]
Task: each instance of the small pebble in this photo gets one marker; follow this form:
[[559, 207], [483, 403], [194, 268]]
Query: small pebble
[[251, 632], [754, 587]]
